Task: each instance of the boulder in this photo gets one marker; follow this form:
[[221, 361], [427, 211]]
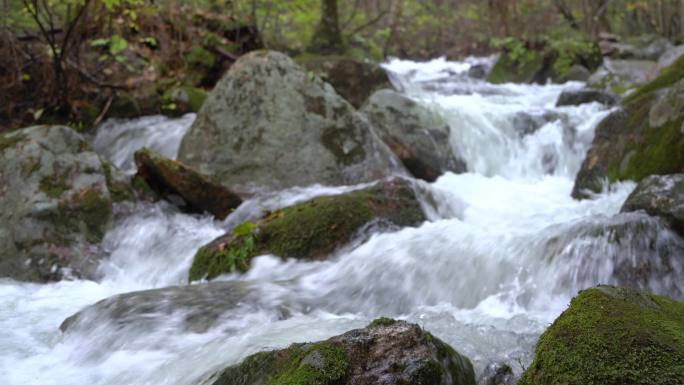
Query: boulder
[[418, 136], [628, 249], [385, 352], [670, 56], [55, 204], [196, 307], [612, 335], [311, 230], [645, 137], [269, 124], [510, 70], [497, 374], [354, 79], [192, 191], [619, 76], [661, 196], [582, 96]]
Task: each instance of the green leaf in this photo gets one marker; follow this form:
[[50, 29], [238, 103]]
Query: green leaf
[[99, 42], [117, 44]]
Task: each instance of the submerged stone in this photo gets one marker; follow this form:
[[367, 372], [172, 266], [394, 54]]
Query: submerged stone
[[311, 230], [612, 335], [171, 179], [577, 97], [388, 353]]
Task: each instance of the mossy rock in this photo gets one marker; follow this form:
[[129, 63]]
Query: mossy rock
[[612, 335], [55, 205], [354, 79], [310, 230], [181, 100], [199, 193], [532, 69], [661, 196], [645, 137], [391, 353]]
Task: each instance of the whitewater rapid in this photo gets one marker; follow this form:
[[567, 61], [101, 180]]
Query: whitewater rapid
[[504, 251]]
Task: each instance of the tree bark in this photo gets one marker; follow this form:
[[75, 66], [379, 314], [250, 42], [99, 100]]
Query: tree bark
[[327, 38]]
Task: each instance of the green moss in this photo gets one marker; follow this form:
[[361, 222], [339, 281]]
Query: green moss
[[210, 262], [612, 336], [320, 364], [93, 208], [11, 139], [199, 56], [668, 77], [382, 321], [118, 191], [521, 70], [180, 100], [53, 185]]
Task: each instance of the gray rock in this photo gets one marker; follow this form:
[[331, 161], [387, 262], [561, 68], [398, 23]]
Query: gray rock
[[196, 307], [55, 204], [527, 123], [670, 56], [619, 76], [577, 97], [661, 196], [576, 73], [478, 71], [270, 124], [386, 352], [418, 136], [355, 80]]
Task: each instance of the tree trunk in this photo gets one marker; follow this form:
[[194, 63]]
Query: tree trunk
[[327, 38]]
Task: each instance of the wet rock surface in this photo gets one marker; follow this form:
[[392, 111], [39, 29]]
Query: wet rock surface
[[311, 230], [192, 191], [385, 352], [661, 196], [418, 136]]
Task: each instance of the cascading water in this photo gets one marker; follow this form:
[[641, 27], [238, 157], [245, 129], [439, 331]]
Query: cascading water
[[504, 251]]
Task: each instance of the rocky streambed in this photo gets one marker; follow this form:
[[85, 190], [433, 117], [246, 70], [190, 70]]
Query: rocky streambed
[[426, 236]]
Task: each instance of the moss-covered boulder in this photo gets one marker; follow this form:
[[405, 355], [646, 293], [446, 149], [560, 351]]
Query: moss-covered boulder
[[418, 136], [270, 124], [193, 192], [354, 79], [612, 335], [661, 196], [195, 307], [585, 95], [645, 137], [528, 69], [180, 100], [311, 230], [385, 352], [55, 204]]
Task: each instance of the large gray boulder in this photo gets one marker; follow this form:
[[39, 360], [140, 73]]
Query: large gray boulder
[[418, 136], [619, 76], [270, 124], [661, 196], [385, 352], [55, 204]]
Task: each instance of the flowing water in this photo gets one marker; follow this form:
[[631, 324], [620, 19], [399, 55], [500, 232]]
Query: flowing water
[[504, 251]]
